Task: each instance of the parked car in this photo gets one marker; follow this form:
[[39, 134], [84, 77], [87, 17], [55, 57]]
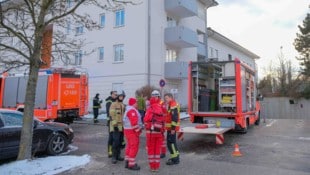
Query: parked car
[[49, 137]]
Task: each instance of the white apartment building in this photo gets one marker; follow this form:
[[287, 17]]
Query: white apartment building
[[141, 44]]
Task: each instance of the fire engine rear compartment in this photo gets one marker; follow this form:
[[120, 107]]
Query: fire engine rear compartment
[[61, 94], [221, 97], [214, 86]]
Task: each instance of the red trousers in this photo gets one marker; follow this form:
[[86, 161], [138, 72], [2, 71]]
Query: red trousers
[[154, 142], [132, 146]]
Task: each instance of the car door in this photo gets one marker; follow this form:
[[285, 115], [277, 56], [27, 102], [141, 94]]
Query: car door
[[10, 133]]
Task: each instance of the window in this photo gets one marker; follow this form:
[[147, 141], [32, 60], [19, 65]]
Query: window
[[201, 38], [171, 22], [78, 57], [101, 53], [229, 57], [216, 53], [102, 20], [120, 18], [12, 119], [68, 28], [211, 52], [171, 56], [119, 53], [79, 30], [69, 3]]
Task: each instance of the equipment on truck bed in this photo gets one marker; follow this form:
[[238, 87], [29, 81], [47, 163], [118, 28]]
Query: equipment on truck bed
[[222, 94]]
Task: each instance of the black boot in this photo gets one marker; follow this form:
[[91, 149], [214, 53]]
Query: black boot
[[162, 155], [114, 157], [114, 161], [118, 157], [135, 167], [126, 163]]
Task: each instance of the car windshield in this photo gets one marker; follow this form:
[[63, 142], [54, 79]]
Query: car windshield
[[11, 119]]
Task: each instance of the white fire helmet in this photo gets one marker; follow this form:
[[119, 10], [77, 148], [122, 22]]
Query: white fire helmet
[[155, 93]]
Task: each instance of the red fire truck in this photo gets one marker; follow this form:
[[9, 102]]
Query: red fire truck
[[61, 93], [221, 97]]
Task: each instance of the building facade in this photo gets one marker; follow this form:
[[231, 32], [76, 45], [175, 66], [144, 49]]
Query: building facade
[[141, 44]]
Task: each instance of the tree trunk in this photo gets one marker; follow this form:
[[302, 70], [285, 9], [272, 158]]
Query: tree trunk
[[25, 146]]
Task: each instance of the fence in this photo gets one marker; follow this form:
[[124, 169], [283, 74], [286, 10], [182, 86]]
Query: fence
[[285, 108]]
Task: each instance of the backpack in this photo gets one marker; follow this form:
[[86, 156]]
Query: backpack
[[158, 120]]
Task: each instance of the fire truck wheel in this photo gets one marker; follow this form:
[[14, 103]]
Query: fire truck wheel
[[57, 144], [257, 122], [245, 130]]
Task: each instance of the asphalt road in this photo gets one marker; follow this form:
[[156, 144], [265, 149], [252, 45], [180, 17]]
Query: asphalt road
[[277, 147]]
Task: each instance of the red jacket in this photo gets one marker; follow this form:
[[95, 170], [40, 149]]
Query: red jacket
[[173, 117], [155, 107]]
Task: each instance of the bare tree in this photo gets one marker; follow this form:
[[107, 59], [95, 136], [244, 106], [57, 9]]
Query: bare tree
[[280, 78], [22, 26]]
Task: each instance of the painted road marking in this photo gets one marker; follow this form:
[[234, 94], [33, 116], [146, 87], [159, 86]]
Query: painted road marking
[[271, 123]]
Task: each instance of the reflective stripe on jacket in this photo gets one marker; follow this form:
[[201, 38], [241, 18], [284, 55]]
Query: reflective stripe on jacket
[[117, 110], [132, 119]]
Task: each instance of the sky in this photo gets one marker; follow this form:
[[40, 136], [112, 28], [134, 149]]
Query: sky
[[261, 26]]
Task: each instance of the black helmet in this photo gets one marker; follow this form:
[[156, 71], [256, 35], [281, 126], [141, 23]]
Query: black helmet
[[97, 95], [121, 93]]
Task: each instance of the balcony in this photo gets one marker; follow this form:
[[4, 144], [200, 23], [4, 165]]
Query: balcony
[[194, 23], [201, 49], [181, 8], [180, 37], [176, 70]]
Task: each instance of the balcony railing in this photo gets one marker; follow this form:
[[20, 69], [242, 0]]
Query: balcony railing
[[180, 37], [181, 8]]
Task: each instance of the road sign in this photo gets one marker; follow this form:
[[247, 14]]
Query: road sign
[[162, 83]]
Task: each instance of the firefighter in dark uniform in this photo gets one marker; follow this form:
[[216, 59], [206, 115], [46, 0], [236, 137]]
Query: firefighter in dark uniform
[[109, 101], [172, 127], [96, 106], [117, 110]]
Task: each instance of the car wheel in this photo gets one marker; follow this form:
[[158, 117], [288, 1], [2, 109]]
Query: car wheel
[[57, 144]]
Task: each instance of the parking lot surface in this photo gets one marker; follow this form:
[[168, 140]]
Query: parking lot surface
[[277, 147]]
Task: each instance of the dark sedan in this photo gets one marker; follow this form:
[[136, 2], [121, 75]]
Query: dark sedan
[[50, 137]]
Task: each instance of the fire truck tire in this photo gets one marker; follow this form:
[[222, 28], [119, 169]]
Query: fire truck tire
[[257, 122], [245, 130], [57, 144]]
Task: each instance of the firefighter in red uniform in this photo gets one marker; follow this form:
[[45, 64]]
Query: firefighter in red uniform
[[172, 126], [154, 125], [155, 93], [132, 130]]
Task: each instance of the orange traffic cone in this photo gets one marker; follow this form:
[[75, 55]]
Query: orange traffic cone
[[236, 153]]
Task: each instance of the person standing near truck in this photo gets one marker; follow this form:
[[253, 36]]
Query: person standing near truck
[[109, 101], [132, 130], [172, 127], [117, 110], [155, 94], [96, 106]]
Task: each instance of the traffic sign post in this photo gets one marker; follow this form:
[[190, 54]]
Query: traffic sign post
[[162, 83]]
